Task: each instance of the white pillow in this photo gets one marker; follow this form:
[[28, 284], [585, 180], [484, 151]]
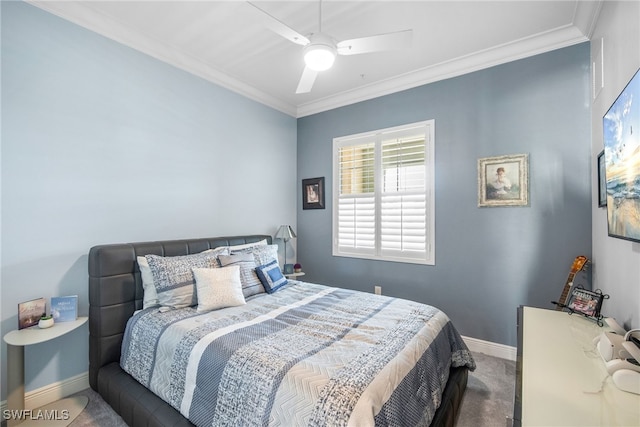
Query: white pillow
[[262, 242], [218, 288], [246, 246], [150, 296]]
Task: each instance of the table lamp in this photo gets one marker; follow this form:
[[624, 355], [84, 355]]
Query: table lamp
[[286, 233]]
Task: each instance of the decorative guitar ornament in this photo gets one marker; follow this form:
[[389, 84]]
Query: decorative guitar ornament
[[580, 263]]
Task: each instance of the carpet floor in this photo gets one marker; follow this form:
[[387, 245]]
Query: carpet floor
[[488, 400]]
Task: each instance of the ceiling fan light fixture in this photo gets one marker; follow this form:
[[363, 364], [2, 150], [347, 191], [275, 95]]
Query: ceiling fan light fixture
[[320, 54], [319, 58]]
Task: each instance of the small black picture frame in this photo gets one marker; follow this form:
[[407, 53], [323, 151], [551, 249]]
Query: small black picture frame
[[313, 193], [585, 302], [602, 182]]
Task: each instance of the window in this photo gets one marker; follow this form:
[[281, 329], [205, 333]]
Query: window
[[383, 194]]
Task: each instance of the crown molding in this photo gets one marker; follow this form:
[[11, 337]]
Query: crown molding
[[104, 25], [586, 16], [584, 21], [518, 49]]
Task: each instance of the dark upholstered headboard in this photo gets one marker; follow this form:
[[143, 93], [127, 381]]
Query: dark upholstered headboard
[[115, 289]]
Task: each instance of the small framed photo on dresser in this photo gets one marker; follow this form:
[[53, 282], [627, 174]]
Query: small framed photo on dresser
[[586, 302]]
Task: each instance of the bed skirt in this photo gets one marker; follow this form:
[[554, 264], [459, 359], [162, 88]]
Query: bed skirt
[[138, 407]]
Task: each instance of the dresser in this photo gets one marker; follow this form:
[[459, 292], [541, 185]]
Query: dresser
[[561, 379]]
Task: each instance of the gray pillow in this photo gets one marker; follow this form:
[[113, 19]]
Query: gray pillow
[[263, 254], [251, 284]]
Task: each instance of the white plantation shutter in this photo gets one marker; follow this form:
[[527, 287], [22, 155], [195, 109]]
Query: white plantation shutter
[[383, 194], [403, 220], [403, 199], [357, 228], [356, 203]]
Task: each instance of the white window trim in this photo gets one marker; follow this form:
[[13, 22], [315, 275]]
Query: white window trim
[[429, 258]]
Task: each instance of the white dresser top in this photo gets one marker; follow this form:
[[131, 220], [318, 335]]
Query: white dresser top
[[564, 379]]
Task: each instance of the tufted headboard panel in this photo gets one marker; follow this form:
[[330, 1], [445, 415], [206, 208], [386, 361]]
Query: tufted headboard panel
[[115, 289]]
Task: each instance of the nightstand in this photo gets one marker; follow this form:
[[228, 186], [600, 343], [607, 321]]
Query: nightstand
[[63, 411], [294, 275]]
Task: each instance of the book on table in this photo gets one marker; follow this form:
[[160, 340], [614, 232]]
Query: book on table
[[64, 309]]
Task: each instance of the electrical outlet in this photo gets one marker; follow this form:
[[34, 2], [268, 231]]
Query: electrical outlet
[[377, 290]]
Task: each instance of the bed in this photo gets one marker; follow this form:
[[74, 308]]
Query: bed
[[376, 391]]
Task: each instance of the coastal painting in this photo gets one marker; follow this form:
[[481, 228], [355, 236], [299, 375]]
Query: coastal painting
[[621, 129]]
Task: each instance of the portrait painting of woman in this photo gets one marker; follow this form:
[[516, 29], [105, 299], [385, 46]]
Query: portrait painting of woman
[[502, 181]]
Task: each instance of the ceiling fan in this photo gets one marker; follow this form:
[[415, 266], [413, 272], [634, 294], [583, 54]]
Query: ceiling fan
[[320, 49]]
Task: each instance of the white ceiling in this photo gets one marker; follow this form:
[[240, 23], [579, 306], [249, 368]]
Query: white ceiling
[[227, 43]]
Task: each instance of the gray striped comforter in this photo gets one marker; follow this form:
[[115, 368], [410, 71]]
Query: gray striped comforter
[[307, 355]]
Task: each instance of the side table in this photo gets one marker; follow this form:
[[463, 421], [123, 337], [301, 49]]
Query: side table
[[294, 275], [61, 412]]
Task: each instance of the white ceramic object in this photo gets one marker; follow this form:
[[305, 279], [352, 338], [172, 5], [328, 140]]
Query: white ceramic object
[[45, 323]]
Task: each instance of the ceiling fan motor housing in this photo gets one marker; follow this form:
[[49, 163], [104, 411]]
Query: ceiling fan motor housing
[[320, 53]]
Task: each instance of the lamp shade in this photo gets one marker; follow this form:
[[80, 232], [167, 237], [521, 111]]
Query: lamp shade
[[285, 232]]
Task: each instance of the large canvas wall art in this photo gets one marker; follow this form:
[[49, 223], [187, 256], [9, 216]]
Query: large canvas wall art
[[621, 129]]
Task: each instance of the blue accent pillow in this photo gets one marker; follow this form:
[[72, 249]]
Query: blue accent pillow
[[271, 276]]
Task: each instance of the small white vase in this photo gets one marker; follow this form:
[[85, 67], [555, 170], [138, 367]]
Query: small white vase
[[45, 323]]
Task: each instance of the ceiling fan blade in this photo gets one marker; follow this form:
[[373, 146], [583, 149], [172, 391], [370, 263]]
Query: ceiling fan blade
[[306, 80], [389, 41], [279, 27]]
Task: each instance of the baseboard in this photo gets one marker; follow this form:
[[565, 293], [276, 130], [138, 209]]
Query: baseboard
[[53, 392], [491, 348]]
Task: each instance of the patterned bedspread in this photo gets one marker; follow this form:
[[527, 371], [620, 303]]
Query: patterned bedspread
[[307, 355]]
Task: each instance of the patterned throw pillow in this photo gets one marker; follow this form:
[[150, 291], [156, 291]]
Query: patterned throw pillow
[[218, 288], [271, 276], [150, 297], [251, 284], [173, 276]]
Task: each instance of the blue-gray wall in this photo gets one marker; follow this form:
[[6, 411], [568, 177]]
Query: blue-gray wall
[[103, 144], [488, 260]]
